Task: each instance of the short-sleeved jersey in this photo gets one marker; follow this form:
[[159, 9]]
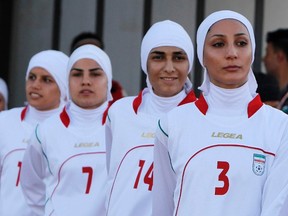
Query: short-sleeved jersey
[[130, 142], [203, 167], [64, 168], [14, 136]]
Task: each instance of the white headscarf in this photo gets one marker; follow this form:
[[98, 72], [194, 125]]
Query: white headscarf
[[166, 33], [95, 53], [201, 35], [55, 62], [4, 92]]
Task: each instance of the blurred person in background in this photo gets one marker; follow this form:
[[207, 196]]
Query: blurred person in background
[[3, 95]]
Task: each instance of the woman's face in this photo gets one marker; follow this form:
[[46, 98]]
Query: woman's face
[[88, 84], [42, 91], [227, 54], [167, 68]]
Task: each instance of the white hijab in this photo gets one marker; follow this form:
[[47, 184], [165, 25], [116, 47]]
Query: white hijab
[[95, 53], [201, 35], [166, 33], [4, 91], [55, 62]]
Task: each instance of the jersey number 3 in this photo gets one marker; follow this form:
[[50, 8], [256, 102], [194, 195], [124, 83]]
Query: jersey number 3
[[224, 166]]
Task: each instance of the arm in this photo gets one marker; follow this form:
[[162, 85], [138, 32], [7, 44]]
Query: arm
[[108, 137], [32, 175], [164, 182]]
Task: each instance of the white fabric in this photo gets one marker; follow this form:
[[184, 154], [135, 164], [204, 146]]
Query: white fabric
[[85, 118], [167, 33], [201, 35], [55, 62], [155, 105], [194, 155], [4, 91], [64, 168], [96, 54]]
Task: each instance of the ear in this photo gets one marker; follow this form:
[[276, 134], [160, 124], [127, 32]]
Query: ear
[[281, 56]]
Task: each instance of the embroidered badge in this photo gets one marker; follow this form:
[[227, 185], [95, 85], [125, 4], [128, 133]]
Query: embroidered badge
[[259, 164]]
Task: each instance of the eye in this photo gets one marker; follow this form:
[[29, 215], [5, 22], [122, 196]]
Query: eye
[[48, 80], [241, 43], [96, 73], [76, 73], [218, 44], [180, 57], [31, 77]]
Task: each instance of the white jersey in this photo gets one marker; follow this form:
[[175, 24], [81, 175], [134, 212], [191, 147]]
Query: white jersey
[[203, 167], [130, 141], [14, 136], [72, 163]]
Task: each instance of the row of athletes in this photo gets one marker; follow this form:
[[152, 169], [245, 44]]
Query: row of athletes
[[181, 169]]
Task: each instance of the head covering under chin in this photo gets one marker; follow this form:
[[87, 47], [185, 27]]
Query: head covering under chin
[[201, 36], [4, 91], [166, 33], [95, 53], [55, 62]]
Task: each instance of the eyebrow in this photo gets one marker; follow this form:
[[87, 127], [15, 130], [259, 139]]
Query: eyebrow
[[221, 35], [92, 69], [162, 53]]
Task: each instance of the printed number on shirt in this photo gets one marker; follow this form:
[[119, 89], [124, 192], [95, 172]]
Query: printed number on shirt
[[148, 175], [89, 171], [224, 167], [19, 171]]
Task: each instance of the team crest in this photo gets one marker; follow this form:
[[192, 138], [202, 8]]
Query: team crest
[[259, 164]]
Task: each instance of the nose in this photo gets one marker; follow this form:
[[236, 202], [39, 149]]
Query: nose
[[169, 66], [231, 52], [86, 79], [36, 83]]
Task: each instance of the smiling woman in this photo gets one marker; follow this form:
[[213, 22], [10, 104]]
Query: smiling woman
[[46, 93]]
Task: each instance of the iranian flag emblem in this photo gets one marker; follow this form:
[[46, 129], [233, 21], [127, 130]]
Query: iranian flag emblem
[[259, 164]]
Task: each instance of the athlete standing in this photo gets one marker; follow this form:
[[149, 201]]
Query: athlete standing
[[45, 94], [64, 168], [166, 59], [226, 154]]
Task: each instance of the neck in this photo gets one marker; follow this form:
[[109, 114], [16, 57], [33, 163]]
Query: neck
[[228, 102]]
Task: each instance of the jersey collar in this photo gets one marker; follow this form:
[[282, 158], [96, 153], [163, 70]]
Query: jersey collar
[[66, 119], [190, 97], [253, 106], [23, 113]]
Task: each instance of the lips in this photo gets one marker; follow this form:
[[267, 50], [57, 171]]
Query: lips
[[168, 78], [86, 92], [232, 68], [35, 95]]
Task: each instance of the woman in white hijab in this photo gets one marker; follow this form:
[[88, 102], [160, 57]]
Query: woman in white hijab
[[166, 59], [226, 153], [64, 168], [45, 94], [3, 95]]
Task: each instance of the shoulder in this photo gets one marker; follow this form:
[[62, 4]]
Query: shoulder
[[123, 103]]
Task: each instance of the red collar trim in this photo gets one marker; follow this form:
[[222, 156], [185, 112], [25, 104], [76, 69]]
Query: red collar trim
[[65, 117], [253, 105], [105, 114], [23, 113], [201, 104], [190, 97], [137, 101]]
